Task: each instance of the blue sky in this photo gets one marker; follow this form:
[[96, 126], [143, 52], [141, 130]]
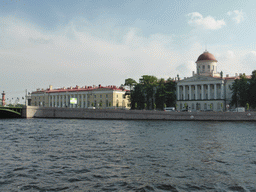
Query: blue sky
[[67, 43]]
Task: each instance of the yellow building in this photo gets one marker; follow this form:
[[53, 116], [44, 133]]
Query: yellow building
[[81, 97]]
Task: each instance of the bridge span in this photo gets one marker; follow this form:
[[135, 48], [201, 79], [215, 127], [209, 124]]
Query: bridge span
[[10, 112]]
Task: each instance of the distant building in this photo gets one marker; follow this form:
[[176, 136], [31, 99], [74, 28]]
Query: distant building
[[207, 89], [81, 97]]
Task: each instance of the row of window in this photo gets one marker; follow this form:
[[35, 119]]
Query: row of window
[[199, 88], [80, 96], [208, 67], [89, 104], [198, 106]]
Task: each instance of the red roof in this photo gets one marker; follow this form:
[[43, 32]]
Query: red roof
[[206, 56], [76, 89]]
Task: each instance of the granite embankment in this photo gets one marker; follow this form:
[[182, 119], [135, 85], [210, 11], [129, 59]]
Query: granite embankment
[[111, 114]]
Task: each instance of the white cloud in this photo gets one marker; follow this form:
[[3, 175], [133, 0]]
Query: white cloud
[[70, 56], [197, 20], [237, 16]]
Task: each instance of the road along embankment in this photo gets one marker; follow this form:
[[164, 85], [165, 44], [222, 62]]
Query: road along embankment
[[111, 114]]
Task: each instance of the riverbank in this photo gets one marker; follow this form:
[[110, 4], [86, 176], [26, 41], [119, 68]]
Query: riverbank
[[112, 114]]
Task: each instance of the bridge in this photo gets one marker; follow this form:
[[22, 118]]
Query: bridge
[[10, 112]]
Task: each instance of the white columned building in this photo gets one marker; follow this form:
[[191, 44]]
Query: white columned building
[[210, 90]]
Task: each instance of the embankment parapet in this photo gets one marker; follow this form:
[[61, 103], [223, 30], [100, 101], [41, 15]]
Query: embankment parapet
[[79, 113]]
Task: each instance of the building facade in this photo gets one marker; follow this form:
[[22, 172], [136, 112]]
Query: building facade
[[207, 89], [85, 97]]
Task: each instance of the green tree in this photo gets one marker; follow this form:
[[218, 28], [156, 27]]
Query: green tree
[[252, 90], [240, 91], [149, 83], [160, 94], [130, 82], [170, 93], [247, 106]]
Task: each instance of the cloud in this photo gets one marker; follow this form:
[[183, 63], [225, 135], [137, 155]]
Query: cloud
[[237, 16], [32, 57], [197, 20]]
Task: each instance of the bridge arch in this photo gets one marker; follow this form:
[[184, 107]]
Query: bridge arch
[[9, 113]]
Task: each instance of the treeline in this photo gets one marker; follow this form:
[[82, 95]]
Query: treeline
[[244, 91], [151, 93]]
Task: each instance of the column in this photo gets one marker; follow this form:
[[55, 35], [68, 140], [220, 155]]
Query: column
[[78, 100], [59, 100], [215, 91], [82, 101], [66, 95], [184, 96], [55, 101], [178, 93], [190, 92], [63, 101], [202, 91], [209, 92], [222, 91], [86, 96], [196, 92]]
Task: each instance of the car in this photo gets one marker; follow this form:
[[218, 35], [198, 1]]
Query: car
[[169, 109]]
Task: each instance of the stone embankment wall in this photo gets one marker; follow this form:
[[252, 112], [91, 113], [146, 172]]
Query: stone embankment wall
[[76, 113]]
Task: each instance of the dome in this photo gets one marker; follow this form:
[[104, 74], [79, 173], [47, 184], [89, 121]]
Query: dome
[[206, 56]]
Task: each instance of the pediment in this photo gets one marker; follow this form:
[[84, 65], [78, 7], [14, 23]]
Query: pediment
[[200, 78]]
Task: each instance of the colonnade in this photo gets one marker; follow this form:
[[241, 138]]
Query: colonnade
[[200, 91], [63, 100]]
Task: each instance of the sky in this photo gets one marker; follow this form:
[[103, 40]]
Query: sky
[[90, 42]]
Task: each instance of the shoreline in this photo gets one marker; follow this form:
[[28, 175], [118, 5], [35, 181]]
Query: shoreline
[[117, 114]]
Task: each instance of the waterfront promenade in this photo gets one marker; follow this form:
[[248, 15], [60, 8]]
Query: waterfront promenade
[[117, 114]]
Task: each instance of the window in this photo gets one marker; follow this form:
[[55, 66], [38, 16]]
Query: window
[[116, 96], [100, 96], [106, 103], [106, 95], [208, 66], [94, 96], [193, 106], [203, 67]]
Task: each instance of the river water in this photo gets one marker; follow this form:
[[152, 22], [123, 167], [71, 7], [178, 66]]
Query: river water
[[92, 155]]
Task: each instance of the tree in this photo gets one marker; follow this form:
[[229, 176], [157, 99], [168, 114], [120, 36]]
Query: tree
[[240, 91], [252, 90], [130, 82], [155, 93], [149, 83]]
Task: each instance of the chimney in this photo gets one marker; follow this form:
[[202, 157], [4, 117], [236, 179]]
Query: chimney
[[50, 87], [227, 75], [236, 74], [240, 74], [193, 73]]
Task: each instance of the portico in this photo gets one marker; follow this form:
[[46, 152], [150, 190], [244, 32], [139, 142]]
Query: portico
[[204, 90]]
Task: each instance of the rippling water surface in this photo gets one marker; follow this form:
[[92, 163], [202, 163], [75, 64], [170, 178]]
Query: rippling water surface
[[91, 155]]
